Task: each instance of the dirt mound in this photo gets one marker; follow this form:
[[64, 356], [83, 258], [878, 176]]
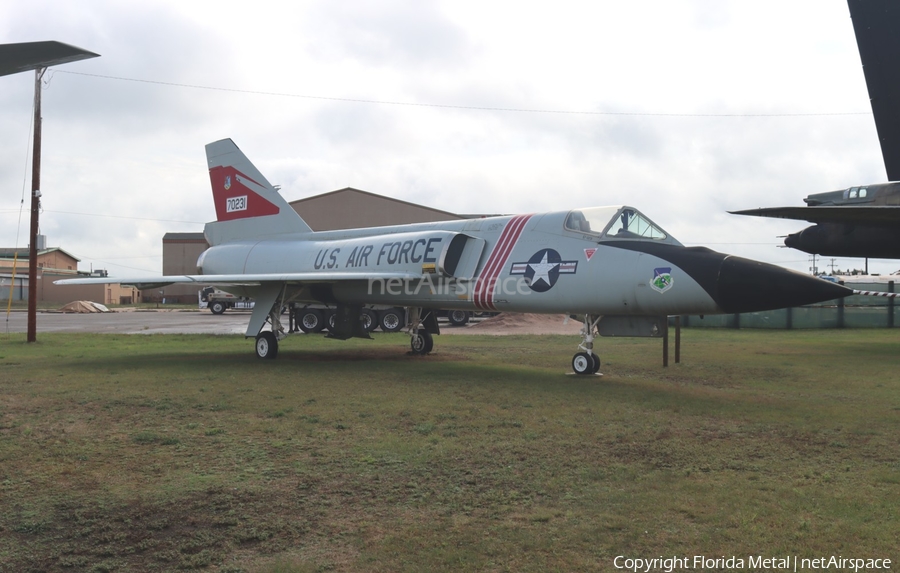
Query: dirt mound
[[518, 323], [83, 307]]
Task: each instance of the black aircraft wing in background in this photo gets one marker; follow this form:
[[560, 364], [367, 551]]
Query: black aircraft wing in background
[[841, 231], [877, 27], [857, 215]]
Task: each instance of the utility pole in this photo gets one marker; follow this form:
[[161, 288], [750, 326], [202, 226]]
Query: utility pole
[[35, 209]]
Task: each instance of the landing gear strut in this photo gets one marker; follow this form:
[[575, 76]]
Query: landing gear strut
[[587, 361]]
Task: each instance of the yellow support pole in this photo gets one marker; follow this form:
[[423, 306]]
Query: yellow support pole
[[12, 284]]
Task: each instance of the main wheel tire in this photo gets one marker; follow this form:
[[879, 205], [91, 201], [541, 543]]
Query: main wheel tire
[[369, 319], [582, 363], [421, 342], [596, 367], [458, 317], [329, 320], [311, 320], [392, 320], [217, 307], [266, 345]]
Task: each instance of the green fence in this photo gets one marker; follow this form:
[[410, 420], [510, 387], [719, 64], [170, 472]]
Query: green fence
[[851, 312]]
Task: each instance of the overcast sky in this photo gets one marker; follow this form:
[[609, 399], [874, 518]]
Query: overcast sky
[[682, 108]]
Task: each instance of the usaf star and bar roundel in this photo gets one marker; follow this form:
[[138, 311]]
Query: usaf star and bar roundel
[[542, 270]]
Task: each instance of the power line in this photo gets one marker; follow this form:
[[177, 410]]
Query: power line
[[108, 263], [112, 216], [459, 107]]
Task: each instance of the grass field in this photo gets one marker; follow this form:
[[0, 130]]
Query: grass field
[[166, 453]]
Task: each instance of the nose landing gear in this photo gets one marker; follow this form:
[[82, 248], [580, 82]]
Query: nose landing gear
[[587, 361]]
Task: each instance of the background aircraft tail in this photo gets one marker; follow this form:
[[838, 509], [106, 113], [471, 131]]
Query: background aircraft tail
[[247, 205]]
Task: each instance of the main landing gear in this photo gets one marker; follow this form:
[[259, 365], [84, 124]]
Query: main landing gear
[[267, 340], [266, 345], [420, 328], [587, 361], [421, 342]]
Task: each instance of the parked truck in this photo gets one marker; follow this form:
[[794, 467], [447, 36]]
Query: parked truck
[[218, 301]]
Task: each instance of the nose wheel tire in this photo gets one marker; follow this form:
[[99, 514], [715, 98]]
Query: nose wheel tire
[[596, 368], [584, 363], [421, 342], [266, 345]]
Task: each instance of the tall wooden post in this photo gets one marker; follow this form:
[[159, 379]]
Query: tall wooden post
[[35, 209]]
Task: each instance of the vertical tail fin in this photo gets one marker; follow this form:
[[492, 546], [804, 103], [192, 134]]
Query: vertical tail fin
[[247, 205]]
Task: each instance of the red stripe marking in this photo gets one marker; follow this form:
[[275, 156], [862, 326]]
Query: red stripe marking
[[255, 206], [484, 288]]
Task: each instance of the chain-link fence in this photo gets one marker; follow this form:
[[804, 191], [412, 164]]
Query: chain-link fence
[[851, 312]]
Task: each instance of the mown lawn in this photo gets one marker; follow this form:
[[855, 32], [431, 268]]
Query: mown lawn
[[162, 453]]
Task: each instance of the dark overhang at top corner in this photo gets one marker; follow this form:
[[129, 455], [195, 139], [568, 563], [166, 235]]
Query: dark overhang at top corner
[[22, 57]]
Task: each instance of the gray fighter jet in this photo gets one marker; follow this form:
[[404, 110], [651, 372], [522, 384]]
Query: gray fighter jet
[[612, 267]]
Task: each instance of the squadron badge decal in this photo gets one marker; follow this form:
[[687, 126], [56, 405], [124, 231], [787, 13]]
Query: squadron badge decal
[[543, 269], [662, 279]]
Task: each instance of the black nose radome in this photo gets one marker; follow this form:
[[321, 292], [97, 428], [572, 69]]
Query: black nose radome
[[749, 286], [743, 285]]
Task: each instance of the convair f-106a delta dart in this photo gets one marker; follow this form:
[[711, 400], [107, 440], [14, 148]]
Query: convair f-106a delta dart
[[612, 267]]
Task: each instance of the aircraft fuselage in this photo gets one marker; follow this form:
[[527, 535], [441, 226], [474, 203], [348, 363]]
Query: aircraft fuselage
[[526, 263]]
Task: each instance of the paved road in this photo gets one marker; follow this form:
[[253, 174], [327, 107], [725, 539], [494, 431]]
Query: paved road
[[135, 322], [177, 322]]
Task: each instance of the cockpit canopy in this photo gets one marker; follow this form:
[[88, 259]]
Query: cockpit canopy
[[617, 222]]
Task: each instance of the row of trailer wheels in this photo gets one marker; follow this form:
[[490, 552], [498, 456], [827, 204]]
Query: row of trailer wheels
[[312, 320]]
